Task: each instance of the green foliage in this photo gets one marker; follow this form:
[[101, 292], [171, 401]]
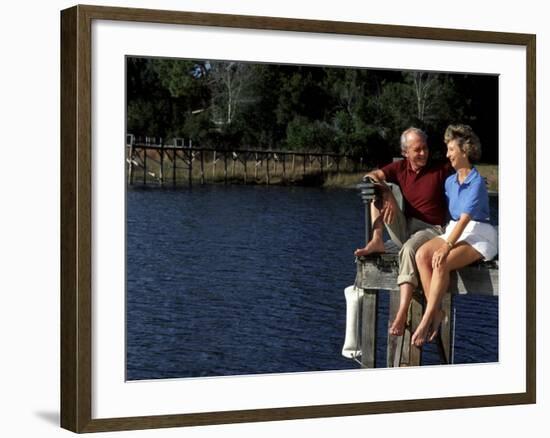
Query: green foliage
[[196, 126], [174, 76], [315, 135], [342, 110]]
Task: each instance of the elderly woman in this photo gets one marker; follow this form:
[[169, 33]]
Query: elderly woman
[[468, 237]]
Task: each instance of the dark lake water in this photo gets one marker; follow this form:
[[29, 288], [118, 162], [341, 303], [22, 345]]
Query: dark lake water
[[232, 280]]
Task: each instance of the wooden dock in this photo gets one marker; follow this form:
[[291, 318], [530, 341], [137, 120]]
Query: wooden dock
[[152, 161], [378, 274]]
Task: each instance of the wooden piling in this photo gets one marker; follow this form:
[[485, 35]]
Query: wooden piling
[[190, 167], [202, 167], [400, 352], [368, 324], [225, 167], [161, 170], [214, 167], [131, 164], [144, 166], [395, 343], [267, 169], [444, 340], [412, 355], [174, 167]]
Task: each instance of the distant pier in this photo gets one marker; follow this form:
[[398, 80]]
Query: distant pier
[[153, 161]]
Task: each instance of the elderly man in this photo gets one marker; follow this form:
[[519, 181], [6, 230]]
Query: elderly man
[[425, 210]]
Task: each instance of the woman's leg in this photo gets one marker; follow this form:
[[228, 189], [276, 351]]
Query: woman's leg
[[423, 259], [461, 255], [425, 271], [424, 263], [408, 279]]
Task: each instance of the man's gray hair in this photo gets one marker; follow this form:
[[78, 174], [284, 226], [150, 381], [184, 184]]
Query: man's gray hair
[[417, 131]]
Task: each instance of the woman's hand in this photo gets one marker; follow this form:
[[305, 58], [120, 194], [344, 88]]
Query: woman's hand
[[439, 256]]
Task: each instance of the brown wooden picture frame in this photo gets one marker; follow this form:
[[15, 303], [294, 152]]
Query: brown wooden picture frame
[[76, 218]]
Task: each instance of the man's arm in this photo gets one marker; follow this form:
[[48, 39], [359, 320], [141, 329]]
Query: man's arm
[[376, 175], [389, 203]]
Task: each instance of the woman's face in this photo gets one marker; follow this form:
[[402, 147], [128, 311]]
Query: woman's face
[[456, 155]]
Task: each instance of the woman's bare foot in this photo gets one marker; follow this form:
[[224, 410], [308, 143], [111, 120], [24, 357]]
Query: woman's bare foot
[[375, 246], [398, 326], [438, 318], [420, 335]]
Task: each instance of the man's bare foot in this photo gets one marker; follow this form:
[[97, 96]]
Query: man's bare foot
[[398, 326], [438, 318], [419, 337], [375, 246]]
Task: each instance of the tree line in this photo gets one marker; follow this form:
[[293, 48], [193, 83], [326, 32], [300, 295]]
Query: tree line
[[356, 111]]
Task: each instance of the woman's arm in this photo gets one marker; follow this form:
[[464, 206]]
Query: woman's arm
[[441, 254], [458, 229]]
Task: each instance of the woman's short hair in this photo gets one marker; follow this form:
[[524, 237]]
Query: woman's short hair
[[417, 131], [466, 139]]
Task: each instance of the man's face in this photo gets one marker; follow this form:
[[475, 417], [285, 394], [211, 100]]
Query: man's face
[[417, 151]]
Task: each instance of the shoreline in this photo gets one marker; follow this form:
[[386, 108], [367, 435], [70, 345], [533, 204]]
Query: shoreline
[[330, 181], [327, 180]]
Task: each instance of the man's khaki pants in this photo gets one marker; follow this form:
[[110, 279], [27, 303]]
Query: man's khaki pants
[[409, 234]]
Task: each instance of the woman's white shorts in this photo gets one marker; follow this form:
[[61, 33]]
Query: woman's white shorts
[[483, 237]]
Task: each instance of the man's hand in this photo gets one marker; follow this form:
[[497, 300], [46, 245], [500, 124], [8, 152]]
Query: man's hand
[[375, 176]]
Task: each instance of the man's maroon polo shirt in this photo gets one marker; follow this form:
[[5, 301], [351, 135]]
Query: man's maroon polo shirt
[[423, 192]]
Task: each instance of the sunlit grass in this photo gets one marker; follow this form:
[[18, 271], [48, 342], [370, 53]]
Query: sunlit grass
[[292, 173], [490, 172]]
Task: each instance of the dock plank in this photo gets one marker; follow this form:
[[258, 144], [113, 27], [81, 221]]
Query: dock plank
[[380, 272]]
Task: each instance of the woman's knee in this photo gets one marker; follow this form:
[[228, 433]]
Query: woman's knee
[[423, 256]]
